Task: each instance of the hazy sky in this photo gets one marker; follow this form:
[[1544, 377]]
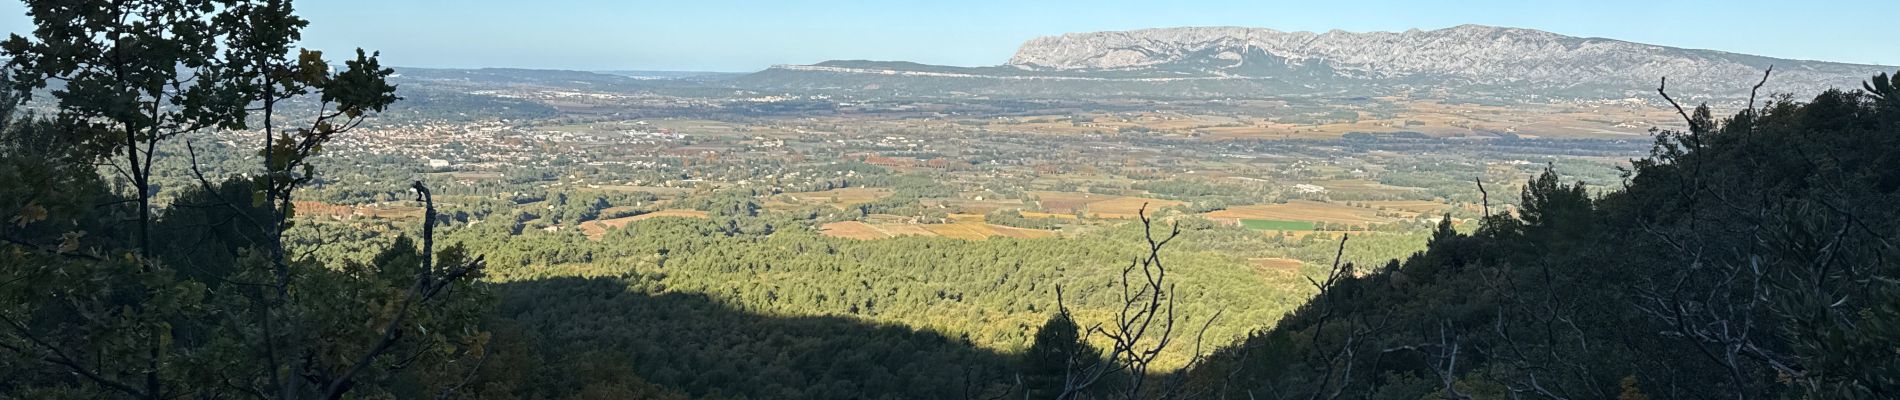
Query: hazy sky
[[722, 35]]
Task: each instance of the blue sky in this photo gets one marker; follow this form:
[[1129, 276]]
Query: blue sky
[[727, 35]]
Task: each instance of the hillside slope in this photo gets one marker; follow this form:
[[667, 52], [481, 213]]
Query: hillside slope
[[1749, 256]]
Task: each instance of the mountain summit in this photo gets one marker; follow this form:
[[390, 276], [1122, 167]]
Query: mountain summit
[[1465, 54]]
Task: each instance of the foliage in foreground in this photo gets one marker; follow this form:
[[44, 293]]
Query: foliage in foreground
[[107, 293], [1747, 257]]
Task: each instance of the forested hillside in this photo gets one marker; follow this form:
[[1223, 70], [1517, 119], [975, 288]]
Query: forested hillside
[[1748, 257], [777, 309]]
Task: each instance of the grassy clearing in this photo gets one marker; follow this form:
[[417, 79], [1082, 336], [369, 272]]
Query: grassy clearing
[[597, 228], [844, 197], [1277, 225], [966, 229]]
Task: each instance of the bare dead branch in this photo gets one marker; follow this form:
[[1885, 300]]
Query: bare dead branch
[[429, 283], [1147, 308], [1757, 88], [1660, 89], [1486, 195]]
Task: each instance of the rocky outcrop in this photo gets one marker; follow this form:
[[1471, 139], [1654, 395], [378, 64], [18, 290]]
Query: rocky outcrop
[[1466, 54]]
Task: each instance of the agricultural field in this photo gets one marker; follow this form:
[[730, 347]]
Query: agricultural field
[[1125, 207], [1065, 202], [1303, 211], [1276, 225], [854, 230], [1358, 188], [1275, 267], [964, 229], [596, 229], [974, 206], [1097, 205], [981, 231], [840, 198], [1410, 206]]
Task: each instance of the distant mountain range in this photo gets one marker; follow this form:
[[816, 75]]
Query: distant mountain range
[[675, 75], [1469, 61]]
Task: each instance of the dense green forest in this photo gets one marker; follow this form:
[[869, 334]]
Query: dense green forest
[[1745, 257], [690, 295]]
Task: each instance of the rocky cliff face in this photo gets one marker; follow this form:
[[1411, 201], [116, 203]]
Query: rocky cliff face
[[1467, 55]]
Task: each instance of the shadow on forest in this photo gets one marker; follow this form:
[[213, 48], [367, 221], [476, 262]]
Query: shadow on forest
[[598, 327]]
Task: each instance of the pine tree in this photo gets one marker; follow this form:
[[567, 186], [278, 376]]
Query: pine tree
[[1057, 352]]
